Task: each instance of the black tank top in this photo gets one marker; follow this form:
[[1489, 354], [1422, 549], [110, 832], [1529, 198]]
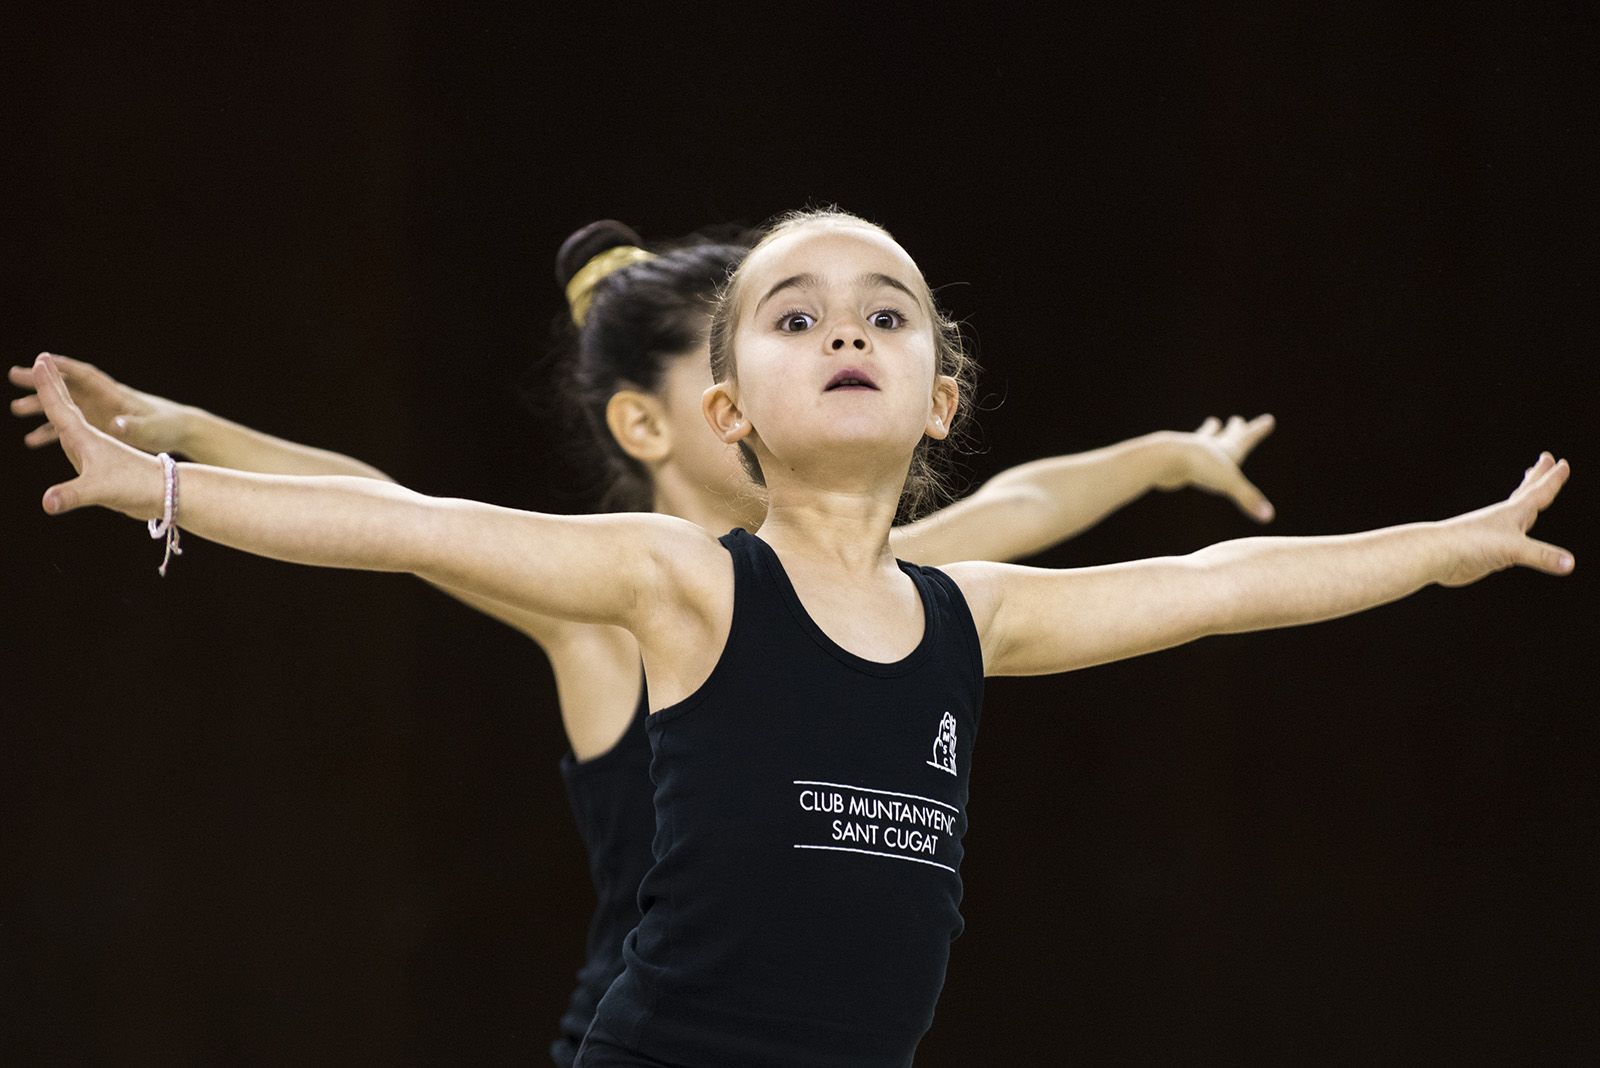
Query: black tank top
[[810, 806], [612, 802]]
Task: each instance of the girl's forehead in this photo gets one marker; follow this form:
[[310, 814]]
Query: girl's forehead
[[830, 249]]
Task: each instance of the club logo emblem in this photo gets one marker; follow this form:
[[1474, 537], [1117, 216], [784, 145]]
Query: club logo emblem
[[944, 746]]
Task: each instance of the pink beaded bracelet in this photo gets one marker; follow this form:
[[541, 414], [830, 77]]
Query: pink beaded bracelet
[[167, 525]]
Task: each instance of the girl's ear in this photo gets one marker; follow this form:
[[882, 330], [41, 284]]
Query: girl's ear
[[720, 404], [638, 422], [946, 398]]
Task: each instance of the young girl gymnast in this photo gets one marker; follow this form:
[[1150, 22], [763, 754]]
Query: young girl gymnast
[[813, 701], [639, 366]]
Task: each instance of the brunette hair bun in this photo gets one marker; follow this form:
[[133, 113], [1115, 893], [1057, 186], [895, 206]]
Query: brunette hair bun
[[588, 242], [639, 318]]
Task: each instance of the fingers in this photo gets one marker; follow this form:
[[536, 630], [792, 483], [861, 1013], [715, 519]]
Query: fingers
[[1242, 436], [1543, 487], [41, 435], [1251, 501], [1542, 556], [1539, 467], [69, 423], [22, 407], [64, 497], [52, 392], [1255, 430], [1540, 485], [1537, 471], [69, 367]]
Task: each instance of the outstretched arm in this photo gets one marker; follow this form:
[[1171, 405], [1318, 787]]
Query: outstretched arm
[[1035, 621], [155, 424], [1028, 508], [605, 569]]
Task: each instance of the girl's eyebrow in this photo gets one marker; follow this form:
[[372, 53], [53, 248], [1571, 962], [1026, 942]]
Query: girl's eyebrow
[[875, 279], [870, 280], [802, 281]]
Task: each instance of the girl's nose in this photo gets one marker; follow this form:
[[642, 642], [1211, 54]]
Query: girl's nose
[[848, 334]]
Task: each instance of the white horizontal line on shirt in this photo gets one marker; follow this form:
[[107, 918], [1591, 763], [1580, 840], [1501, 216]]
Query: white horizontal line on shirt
[[874, 853]]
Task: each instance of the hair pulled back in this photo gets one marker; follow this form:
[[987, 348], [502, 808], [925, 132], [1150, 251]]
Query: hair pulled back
[[930, 477], [639, 318]]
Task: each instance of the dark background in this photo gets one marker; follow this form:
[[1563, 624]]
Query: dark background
[[261, 813]]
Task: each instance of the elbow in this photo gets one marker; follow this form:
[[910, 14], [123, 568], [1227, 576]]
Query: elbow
[[1023, 511], [423, 542], [1209, 600]]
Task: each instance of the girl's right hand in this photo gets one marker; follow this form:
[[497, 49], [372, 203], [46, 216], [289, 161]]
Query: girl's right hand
[[1495, 538], [143, 420], [110, 474]]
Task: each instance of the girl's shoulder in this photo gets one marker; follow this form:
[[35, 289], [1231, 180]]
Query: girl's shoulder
[[684, 549], [978, 581], [693, 573]]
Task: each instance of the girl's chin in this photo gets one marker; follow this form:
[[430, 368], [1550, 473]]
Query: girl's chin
[[865, 423], [847, 448]]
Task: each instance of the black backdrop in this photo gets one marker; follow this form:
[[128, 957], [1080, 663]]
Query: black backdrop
[[254, 812]]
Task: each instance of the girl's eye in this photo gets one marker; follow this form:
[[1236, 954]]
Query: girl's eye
[[794, 322], [886, 319]]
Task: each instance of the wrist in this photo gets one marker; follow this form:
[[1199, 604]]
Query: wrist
[[1458, 553], [1170, 459], [150, 498], [190, 430]]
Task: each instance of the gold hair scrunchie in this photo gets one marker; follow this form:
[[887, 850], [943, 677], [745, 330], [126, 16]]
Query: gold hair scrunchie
[[580, 291]]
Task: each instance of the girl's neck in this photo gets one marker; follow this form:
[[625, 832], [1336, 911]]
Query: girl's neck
[[843, 529]]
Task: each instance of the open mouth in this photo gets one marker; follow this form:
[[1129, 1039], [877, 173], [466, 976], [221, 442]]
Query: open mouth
[[850, 378]]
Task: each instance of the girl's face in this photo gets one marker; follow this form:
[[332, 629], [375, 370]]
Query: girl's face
[[835, 363]]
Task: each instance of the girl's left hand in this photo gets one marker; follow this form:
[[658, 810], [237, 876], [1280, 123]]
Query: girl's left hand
[[1209, 459], [110, 474]]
